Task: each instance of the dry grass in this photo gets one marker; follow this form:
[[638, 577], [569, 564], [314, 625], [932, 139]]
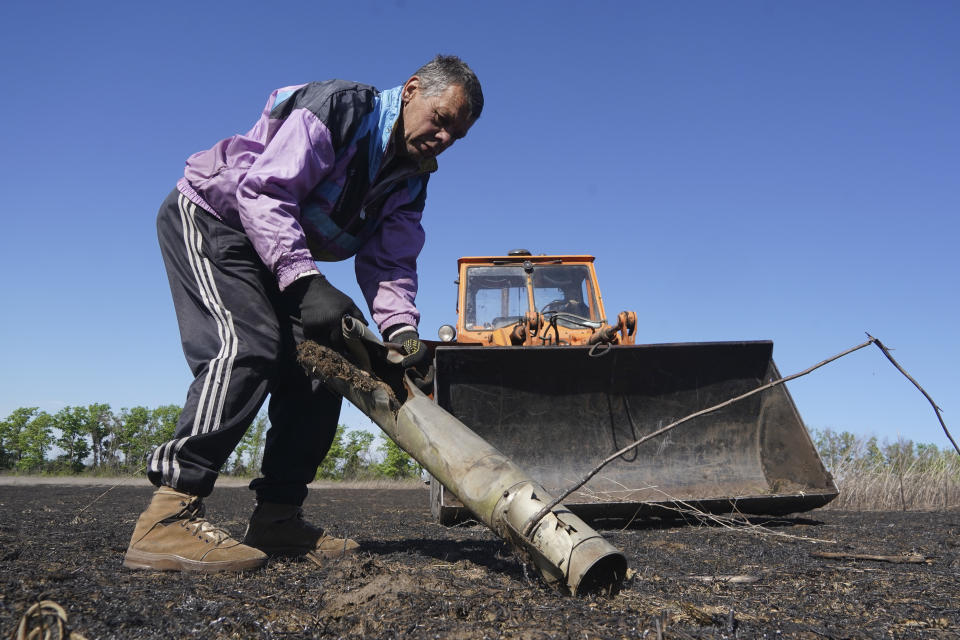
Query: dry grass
[[884, 476], [864, 488]]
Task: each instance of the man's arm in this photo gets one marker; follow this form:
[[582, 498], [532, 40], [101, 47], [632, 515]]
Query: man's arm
[[298, 157], [386, 268]]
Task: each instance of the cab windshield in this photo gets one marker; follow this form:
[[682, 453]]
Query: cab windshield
[[499, 296]]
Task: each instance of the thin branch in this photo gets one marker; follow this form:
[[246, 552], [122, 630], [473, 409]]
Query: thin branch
[[528, 529], [123, 479], [737, 579], [738, 523], [926, 395], [912, 558]]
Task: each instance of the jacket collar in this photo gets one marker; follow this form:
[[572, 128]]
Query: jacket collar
[[384, 142]]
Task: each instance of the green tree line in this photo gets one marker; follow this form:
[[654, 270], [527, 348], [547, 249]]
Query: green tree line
[[96, 439], [843, 451]]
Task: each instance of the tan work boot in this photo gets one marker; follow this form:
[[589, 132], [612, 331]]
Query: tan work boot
[[279, 529], [172, 534]]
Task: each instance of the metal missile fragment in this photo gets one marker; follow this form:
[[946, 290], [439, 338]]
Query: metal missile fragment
[[565, 550]]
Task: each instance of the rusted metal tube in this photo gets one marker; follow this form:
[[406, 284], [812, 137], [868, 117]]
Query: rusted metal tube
[[565, 550]]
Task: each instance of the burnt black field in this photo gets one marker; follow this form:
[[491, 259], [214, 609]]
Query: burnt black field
[[418, 579]]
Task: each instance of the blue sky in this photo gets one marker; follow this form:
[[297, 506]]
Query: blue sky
[[744, 170]]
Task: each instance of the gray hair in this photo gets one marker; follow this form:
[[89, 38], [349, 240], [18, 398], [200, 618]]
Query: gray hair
[[443, 71]]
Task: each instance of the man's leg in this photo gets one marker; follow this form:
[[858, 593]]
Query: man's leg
[[231, 339], [303, 422], [224, 299]]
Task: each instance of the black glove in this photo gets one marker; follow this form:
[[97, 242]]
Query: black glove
[[322, 307], [414, 352]]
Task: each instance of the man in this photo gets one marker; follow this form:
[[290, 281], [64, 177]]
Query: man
[[331, 170]]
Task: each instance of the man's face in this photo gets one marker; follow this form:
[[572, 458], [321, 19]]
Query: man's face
[[432, 123]]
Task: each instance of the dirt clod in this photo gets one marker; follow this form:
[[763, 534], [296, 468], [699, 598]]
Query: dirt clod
[[326, 364]]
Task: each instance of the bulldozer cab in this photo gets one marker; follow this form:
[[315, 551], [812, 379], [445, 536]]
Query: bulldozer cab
[[496, 296], [535, 368], [521, 299]]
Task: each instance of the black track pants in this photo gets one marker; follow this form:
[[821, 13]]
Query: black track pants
[[239, 337]]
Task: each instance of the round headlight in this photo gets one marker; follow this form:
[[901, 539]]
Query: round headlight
[[447, 333]]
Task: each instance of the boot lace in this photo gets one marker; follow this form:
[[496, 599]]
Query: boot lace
[[194, 521]]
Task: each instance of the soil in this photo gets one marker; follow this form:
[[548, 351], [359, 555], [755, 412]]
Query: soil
[[325, 363], [416, 578]]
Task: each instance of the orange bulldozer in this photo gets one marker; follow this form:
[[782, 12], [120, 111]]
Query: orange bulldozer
[[536, 369]]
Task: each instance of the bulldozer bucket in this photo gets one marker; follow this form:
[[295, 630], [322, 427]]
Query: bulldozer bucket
[[559, 411]]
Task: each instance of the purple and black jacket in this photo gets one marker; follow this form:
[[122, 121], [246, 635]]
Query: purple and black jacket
[[318, 178]]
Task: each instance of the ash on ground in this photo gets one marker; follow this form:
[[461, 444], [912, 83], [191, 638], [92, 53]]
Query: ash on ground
[[415, 578]]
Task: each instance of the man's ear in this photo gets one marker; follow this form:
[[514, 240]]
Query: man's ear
[[409, 89]]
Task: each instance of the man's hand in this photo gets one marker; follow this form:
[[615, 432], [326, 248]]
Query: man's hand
[[413, 352], [322, 307]]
